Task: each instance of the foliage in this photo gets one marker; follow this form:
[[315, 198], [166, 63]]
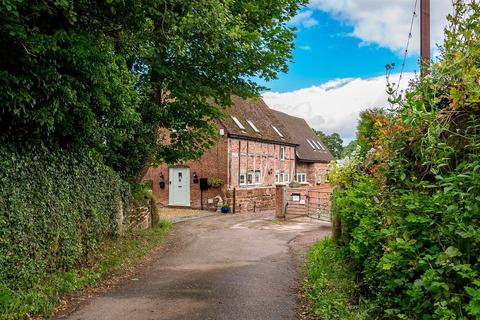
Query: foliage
[[331, 283], [108, 75], [348, 149], [56, 206], [217, 182], [409, 204], [113, 256], [333, 143]]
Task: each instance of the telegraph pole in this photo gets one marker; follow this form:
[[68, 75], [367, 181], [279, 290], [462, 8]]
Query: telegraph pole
[[425, 37]]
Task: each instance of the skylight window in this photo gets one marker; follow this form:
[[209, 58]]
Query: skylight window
[[316, 144], [311, 144], [250, 122], [277, 131], [321, 145], [238, 123]]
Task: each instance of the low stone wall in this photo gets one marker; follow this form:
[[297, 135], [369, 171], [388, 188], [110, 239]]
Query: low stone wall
[[140, 218], [252, 199]]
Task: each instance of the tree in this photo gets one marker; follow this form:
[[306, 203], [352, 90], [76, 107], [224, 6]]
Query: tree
[[108, 75], [352, 146], [333, 142]]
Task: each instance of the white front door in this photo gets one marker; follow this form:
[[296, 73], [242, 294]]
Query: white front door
[[179, 187]]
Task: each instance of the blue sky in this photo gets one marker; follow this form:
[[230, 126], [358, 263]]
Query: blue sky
[[338, 66], [326, 52]]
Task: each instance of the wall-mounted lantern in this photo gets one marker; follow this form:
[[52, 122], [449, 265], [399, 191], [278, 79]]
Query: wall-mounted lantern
[[162, 181], [195, 177]]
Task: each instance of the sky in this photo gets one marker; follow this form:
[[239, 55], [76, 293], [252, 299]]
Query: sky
[[341, 50]]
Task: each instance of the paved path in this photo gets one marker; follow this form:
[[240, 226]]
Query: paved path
[[222, 267]]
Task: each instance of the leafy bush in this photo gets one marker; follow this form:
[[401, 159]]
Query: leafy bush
[[410, 204], [331, 282], [55, 208]]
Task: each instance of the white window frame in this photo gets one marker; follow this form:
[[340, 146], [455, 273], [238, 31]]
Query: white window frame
[[282, 177], [321, 145], [254, 127], [238, 123], [257, 175], [282, 153], [311, 144], [250, 177], [244, 176], [301, 177], [277, 131]]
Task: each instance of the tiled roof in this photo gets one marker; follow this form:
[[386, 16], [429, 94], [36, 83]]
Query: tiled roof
[[310, 148], [254, 110]]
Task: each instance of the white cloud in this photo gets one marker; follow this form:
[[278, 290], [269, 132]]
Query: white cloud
[[305, 48], [386, 23], [334, 106], [304, 19]]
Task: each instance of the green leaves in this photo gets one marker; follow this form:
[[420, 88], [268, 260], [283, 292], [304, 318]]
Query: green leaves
[[56, 206], [108, 76]]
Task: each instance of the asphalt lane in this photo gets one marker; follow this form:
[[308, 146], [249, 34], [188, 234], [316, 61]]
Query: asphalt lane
[[222, 267]]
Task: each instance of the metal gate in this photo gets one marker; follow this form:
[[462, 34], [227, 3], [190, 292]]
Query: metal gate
[[307, 202]]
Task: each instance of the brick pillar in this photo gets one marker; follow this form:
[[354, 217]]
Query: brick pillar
[[279, 202]]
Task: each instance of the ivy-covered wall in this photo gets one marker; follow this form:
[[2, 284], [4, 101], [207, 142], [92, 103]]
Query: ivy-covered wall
[[55, 207]]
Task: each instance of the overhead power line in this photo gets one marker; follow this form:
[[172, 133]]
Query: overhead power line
[[414, 15]]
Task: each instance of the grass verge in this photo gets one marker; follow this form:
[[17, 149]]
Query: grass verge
[[331, 283], [113, 256]]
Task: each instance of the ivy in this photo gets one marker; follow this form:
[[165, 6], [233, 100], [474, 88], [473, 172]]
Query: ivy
[[56, 206]]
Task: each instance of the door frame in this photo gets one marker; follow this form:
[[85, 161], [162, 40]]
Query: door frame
[[171, 191]]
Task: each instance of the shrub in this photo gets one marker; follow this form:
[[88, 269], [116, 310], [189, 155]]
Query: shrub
[[410, 205], [55, 208]]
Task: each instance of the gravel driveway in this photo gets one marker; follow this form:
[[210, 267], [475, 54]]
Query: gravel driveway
[[220, 267]]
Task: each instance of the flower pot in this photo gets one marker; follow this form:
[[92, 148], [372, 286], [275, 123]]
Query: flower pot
[[225, 209]]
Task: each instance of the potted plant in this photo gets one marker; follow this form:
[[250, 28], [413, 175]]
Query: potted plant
[[225, 208], [216, 182]]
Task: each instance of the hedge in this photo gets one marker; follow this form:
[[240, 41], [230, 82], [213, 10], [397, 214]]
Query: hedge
[[55, 207]]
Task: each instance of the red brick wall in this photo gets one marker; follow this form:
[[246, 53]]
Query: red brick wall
[[213, 164], [226, 160], [315, 171]]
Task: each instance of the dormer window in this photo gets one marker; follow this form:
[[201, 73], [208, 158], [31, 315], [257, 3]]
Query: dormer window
[[250, 122], [238, 123], [277, 131]]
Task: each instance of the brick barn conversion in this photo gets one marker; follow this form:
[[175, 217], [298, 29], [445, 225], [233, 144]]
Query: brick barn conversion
[[258, 149]]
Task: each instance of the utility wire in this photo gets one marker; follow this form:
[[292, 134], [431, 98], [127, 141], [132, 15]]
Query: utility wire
[[408, 43]]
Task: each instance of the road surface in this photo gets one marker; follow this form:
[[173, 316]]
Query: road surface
[[222, 267]]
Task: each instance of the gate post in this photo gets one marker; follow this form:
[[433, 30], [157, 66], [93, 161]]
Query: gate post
[[280, 202]]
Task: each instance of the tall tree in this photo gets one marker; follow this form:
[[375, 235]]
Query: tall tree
[[110, 74], [333, 142]]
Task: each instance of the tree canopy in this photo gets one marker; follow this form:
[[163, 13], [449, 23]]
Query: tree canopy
[[108, 75], [333, 142]]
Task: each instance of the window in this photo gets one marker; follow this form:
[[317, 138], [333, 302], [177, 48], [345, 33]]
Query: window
[[243, 179], [250, 178], [282, 177], [258, 177], [238, 123], [277, 131], [301, 177], [311, 144], [282, 152], [321, 146], [250, 122]]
